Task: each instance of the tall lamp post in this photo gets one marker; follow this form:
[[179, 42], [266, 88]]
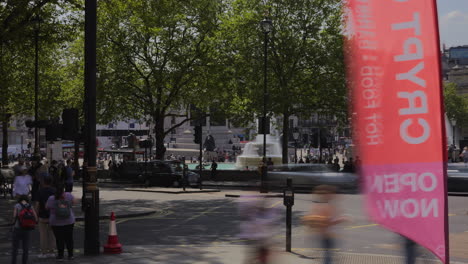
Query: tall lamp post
[[454, 123], [91, 190], [267, 26], [296, 137], [37, 26]]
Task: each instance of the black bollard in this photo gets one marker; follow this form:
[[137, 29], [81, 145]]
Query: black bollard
[[288, 196], [184, 174]]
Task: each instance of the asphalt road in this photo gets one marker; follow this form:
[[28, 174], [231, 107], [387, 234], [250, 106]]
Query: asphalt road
[[212, 219]]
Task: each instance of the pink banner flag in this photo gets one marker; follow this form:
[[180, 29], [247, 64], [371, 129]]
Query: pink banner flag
[[393, 60]]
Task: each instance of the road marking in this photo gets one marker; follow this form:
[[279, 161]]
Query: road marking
[[451, 214], [151, 216], [361, 226], [191, 218], [275, 204]]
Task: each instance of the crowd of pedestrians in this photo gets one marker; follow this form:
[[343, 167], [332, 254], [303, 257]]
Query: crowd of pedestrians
[[44, 202]]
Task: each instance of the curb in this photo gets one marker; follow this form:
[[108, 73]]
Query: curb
[[172, 192], [251, 196], [457, 194], [103, 217]]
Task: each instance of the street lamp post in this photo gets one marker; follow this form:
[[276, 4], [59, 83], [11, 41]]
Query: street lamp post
[[37, 24], [296, 137], [91, 190], [454, 123], [266, 27]]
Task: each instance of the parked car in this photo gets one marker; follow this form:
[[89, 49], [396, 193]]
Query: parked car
[[192, 177], [151, 173]]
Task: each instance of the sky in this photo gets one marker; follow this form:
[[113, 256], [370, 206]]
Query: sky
[[453, 22]]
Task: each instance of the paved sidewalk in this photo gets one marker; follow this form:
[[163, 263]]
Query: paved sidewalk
[[122, 210], [222, 254]]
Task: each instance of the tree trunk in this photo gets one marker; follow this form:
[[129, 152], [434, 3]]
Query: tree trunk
[[285, 137], [159, 138], [5, 122]]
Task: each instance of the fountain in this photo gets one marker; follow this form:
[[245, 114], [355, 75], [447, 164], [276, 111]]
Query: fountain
[[253, 152]]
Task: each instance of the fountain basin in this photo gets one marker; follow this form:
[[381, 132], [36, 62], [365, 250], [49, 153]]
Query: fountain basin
[[252, 154]]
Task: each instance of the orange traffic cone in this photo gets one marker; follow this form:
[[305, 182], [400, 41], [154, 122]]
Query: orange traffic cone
[[113, 246]]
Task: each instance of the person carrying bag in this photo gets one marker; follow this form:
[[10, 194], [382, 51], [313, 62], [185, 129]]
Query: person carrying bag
[[24, 220]]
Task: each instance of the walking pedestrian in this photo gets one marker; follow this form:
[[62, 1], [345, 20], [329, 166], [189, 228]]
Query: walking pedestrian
[[18, 167], [214, 167], [54, 172], [69, 177], [47, 238], [35, 170], [24, 220], [62, 220], [464, 155], [22, 184]]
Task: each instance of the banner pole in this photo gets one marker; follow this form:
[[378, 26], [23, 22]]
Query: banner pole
[[444, 137]]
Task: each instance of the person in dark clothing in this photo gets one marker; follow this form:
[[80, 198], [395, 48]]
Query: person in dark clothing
[[33, 171], [270, 162], [349, 166], [214, 167], [69, 177], [336, 165], [54, 172], [410, 251]]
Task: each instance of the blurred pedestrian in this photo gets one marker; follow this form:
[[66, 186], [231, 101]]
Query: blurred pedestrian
[[24, 220], [47, 238], [62, 220], [323, 217], [258, 226], [410, 251]]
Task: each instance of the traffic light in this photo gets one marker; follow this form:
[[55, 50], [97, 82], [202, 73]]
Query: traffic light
[[145, 143], [70, 123], [267, 126], [53, 132], [131, 140], [197, 136], [314, 140]]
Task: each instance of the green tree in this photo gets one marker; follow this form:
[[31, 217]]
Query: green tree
[[17, 59], [154, 59], [305, 57]]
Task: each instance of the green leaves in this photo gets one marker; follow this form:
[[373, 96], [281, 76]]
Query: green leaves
[[305, 60]]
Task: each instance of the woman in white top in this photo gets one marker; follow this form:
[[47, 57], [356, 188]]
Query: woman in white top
[[22, 184]]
